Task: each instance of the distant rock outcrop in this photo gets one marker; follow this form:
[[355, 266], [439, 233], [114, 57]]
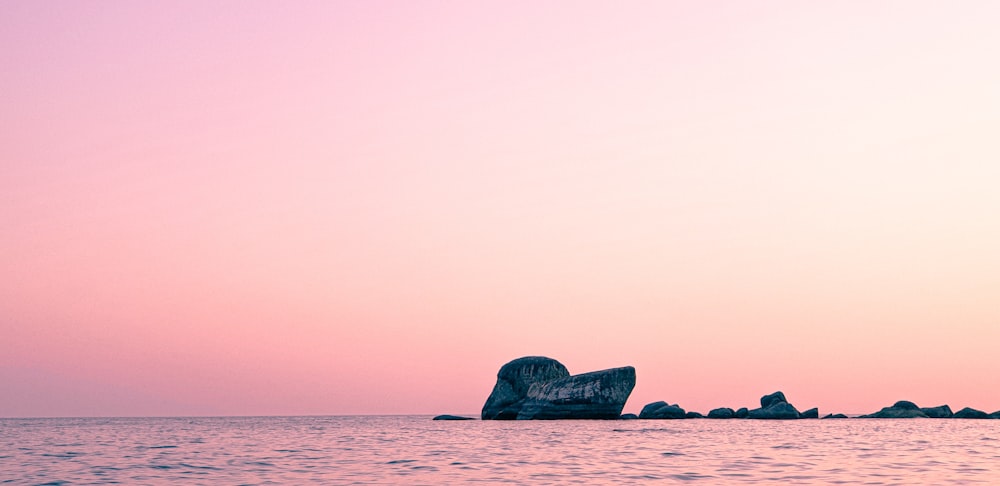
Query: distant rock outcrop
[[812, 413], [742, 413], [539, 388], [693, 415], [628, 416], [451, 417], [942, 411], [662, 410], [971, 413], [774, 407], [513, 381], [900, 409], [835, 416], [721, 413]]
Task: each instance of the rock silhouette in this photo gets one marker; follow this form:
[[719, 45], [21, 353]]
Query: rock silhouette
[[721, 413], [768, 400], [540, 388], [513, 381], [812, 413], [451, 417], [594, 395], [662, 410], [774, 407], [942, 411], [971, 413]]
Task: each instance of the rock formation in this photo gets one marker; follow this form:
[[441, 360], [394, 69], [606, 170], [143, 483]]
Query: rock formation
[[513, 381], [812, 413], [835, 416], [970, 413], [942, 411], [594, 395], [451, 417], [774, 407], [721, 413], [900, 409], [541, 388], [662, 410]]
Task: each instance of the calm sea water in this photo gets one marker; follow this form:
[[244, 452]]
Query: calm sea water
[[416, 450]]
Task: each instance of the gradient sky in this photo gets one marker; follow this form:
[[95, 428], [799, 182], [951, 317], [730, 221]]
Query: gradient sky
[[368, 207]]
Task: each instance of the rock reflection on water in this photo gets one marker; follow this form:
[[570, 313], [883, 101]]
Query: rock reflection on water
[[416, 450]]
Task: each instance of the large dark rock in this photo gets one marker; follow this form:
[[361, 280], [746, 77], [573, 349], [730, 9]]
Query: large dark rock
[[774, 407], [650, 407], [721, 413], [513, 381], [942, 411], [768, 400], [594, 395], [777, 411], [451, 417], [970, 413], [812, 413], [742, 413], [662, 410], [900, 409], [995, 415]]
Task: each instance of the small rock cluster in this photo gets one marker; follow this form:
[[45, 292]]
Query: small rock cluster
[[908, 409], [772, 407]]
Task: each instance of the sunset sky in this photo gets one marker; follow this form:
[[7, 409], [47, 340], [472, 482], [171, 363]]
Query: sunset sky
[[229, 208]]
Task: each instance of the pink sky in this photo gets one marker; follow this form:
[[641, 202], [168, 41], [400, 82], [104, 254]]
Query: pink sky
[[369, 207]]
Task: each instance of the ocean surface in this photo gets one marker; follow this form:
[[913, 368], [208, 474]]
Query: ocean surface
[[416, 450]]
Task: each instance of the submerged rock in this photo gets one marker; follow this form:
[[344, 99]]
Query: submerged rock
[[594, 395], [662, 410], [628, 416], [970, 413], [812, 413], [451, 417], [513, 381], [742, 413], [942, 411], [721, 413]]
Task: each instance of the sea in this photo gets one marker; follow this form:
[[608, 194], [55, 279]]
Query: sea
[[414, 449]]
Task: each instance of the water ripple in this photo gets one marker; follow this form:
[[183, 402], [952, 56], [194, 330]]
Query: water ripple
[[387, 450]]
